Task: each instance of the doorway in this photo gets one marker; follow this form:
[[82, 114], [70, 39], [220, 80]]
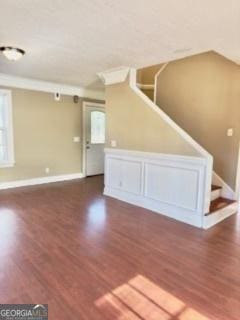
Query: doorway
[[93, 138]]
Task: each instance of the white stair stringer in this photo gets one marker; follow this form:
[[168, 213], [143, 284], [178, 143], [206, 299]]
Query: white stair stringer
[[203, 192], [227, 191], [215, 194], [182, 133], [219, 215]]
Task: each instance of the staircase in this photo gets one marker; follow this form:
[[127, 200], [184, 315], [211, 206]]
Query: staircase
[[176, 181], [220, 208]]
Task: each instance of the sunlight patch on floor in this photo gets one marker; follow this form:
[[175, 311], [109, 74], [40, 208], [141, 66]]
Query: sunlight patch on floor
[[141, 299], [8, 231]]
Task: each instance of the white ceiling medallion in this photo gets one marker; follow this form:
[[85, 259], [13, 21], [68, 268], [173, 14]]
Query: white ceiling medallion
[[12, 53]]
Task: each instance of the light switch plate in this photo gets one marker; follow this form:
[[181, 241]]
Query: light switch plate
[[230, 132], [76, 139]]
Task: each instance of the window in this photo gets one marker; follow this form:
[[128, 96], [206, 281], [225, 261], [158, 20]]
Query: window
[[6, 137], [97, 127]]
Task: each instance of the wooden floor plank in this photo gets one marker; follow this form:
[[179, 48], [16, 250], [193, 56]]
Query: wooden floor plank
[[92, 257]]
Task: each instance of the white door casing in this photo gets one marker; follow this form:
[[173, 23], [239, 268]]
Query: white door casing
[[93, 138]]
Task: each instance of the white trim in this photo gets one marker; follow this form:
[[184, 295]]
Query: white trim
[[166, 118], [143, 86], [7, 165], [129, 177], [156, 79], [155, 156], [115, 75], [150, 204], [40, 180], [227, 191], [44, 86], [10, 136], [181, 132], [84, 106], [215, 194], [218, 216]]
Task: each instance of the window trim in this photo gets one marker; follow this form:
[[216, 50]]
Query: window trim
[[104, 113], [10, 141]]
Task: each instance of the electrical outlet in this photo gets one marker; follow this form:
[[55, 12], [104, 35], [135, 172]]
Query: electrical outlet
[[113, 143], [47, 170]]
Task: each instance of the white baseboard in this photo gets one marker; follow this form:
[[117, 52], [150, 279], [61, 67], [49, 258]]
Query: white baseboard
[[218, 216], [40, 180], [227, 191], [187, 216]]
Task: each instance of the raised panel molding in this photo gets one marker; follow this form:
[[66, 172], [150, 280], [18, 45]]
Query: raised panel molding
[[172, 191], [171, 185], [132, 176], [113, 176], [124, 175]]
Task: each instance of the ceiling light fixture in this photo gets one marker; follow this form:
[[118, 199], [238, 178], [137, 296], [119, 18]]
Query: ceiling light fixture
[[11, 53]]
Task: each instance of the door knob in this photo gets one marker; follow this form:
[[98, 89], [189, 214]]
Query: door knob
[[87, 147]]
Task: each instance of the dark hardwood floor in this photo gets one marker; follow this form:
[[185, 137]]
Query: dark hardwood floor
[[92, 257]]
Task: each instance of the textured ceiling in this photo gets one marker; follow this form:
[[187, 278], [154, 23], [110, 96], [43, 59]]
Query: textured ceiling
[[69, 41]]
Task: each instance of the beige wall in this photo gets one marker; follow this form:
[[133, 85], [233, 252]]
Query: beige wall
[[135, 126], [43, 136], [149, 93], [202, 94], [146, 75]]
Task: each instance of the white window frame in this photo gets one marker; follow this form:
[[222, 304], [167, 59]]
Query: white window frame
[[9, 162], [103, 113]]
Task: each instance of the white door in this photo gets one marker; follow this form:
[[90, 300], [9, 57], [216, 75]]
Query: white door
[[94, 139]]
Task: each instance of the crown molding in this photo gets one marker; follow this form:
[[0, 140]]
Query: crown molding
[[115, 75], [44, 86]]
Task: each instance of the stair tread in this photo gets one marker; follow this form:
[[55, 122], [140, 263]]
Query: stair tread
[[218, 204], [214, 187]]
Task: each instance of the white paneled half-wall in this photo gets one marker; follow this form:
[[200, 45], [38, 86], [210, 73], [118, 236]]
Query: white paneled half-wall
[[168, 184]]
